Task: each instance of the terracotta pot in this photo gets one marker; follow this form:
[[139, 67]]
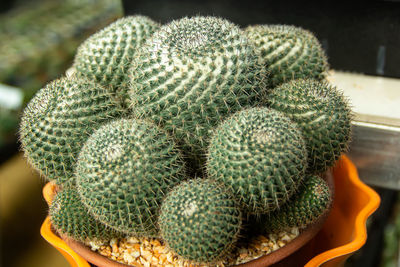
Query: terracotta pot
[[349, 233]]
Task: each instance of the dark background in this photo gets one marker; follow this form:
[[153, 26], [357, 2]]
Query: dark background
[[357, 36]]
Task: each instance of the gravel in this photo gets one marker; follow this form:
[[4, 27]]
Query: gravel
[[150, 252]]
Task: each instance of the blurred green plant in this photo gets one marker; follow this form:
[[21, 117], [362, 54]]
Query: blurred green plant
[[391, 250], [8, 124], [39, 42]]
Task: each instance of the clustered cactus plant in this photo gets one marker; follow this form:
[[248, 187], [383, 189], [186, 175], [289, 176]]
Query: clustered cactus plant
[[196, 94]]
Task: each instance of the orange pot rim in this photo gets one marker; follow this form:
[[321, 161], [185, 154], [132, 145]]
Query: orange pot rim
[[359, 237], [73, 258], [360, 232]]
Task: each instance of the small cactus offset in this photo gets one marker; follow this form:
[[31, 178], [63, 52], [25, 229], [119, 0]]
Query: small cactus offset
[[69, 217], [260, 155], [200, 221], [193, 73], [124, 171], [107, 55], [288, 52], [59, 119], [313, 199], [322, 113]]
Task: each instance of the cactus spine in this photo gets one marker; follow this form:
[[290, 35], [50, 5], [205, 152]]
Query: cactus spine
[[124, 171], [260, 155]]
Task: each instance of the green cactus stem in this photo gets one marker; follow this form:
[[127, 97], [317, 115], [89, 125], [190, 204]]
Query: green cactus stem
[[306, 207], [322, 113], [260, 155], [107, 55], [59, 119], [200, 221], [69, 217], [124, 171], [288, 52]]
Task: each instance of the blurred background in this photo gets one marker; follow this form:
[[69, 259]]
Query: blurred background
[[38, 40]]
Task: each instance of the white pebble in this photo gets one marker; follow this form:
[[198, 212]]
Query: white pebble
[[135, 254], [295, 231], [113, 241], [129, 258], [285, 238], [95, 245], [132, 240]]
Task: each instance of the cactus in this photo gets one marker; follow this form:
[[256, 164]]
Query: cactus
[[261, 155], [312, 201], [58, 120], [323, 115], [69, 217], [124, 171], [190, 75], [107, 55], [200, 221], [288, 52]]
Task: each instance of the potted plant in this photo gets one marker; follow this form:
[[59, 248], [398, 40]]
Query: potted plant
[[178, 139], [346, 224]]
